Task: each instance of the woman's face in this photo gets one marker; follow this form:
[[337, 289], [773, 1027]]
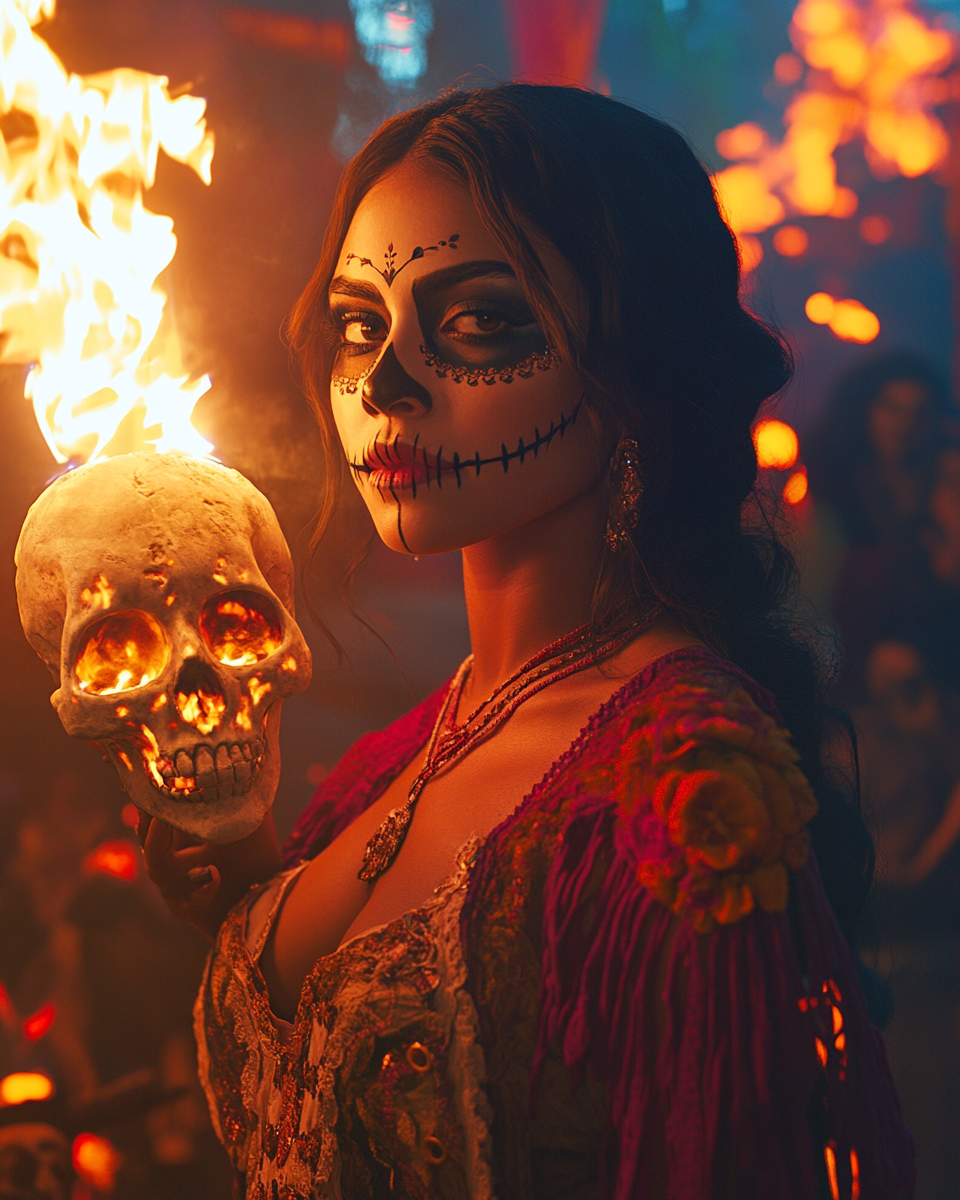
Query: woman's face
[[897, 418], [458, 421]]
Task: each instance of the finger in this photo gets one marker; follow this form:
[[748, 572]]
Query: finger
[[193, 905], [158, 853], [143, 825]]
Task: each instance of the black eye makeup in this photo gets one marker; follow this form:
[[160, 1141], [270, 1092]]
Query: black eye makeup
[[475, 316]]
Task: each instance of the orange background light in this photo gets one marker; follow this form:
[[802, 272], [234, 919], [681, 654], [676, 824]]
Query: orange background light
[[875, 229], [96, 1161], [116, 858], [25, 1085], [796, 487], [39, 1024], [776, 445], [751, 252], [791, 241]]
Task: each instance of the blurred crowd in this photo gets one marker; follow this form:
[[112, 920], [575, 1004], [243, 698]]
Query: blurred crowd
[[97, 988], [881, 557]]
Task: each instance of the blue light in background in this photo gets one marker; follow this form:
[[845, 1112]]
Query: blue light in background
[[393, 35]]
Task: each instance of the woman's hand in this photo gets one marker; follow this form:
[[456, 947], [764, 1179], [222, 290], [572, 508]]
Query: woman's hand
[[201, 881]]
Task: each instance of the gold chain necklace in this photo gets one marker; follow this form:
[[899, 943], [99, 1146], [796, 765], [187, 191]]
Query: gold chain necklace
[[449, 742]]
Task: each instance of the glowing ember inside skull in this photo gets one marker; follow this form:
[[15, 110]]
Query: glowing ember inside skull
[[121, 651], [241, 628], [116, 582]]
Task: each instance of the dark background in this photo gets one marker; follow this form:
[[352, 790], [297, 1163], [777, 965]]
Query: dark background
[[247, 245]]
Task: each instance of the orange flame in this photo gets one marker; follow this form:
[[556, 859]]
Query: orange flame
[[202, 710], [80, 255], [150, 750]]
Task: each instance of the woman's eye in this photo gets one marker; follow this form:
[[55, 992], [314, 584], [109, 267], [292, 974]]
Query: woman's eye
[[359, 328], [475, 322]]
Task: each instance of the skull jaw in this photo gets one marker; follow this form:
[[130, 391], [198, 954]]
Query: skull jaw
[[211, 820]]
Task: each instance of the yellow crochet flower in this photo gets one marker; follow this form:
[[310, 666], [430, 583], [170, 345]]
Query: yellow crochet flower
[[719, 780]]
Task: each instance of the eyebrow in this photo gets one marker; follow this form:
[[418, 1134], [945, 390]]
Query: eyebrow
[[446, 277], [344, 286]]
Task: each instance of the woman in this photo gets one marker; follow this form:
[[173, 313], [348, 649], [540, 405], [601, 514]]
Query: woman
[[557, 931]]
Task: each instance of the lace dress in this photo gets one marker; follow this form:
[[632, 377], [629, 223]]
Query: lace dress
[[633, 989], [375, 1088]]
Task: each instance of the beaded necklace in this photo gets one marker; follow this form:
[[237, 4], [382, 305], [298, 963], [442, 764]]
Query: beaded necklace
[[450, 742]]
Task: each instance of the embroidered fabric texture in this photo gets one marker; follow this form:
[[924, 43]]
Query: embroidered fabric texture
[[572, 951], [376, 1087]]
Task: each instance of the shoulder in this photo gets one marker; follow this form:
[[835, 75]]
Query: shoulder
[[710, 804], [362, 775]]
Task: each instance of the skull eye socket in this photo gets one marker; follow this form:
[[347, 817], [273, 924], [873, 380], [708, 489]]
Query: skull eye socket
[[119, 652], [240, 628]]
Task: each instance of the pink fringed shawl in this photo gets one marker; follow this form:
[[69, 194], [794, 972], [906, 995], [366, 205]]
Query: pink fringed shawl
[[743, 1053]]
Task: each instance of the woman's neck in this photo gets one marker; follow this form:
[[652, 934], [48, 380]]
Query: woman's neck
[[530, 586]]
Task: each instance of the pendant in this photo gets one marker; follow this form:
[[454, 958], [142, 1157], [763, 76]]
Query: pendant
[[385, 844]]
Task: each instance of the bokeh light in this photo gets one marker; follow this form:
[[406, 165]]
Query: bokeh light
[[820, 308], [751, 252], [96, 1161], [791, 241], [38, 1025], [796, 487], [22, 1086], [875, 229], [788, 69], [776, 444], [117, 858]]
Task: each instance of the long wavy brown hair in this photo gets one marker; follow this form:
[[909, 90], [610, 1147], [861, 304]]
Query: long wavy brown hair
[[669, 356]]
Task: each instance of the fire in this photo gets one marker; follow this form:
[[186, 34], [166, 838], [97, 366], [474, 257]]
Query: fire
[[258, 689], [150, 752], [96, 1161], [25, 1085], [865, 69], [80, 255], [201, 709], [243, 715], [241, 629], [99, 594], [121, 651]]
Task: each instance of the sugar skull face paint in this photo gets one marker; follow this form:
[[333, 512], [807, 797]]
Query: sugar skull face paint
[[458, 420]]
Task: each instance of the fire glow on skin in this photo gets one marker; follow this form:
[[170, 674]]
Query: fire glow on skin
[[459, 421]]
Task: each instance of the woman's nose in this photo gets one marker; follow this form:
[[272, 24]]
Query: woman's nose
[[388, 389]]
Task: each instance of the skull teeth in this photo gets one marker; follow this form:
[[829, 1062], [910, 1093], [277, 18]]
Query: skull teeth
[[207, 774]]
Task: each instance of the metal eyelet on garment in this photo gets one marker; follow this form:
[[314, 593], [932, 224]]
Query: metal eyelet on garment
[[419, 1057], [434, 1149]]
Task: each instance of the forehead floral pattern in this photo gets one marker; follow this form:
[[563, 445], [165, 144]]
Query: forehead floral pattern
[[390, 270]]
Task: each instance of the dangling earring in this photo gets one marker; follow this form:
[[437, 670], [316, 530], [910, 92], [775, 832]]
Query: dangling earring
[[626, 493]]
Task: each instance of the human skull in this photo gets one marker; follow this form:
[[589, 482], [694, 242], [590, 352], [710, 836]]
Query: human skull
[[158, 589]]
